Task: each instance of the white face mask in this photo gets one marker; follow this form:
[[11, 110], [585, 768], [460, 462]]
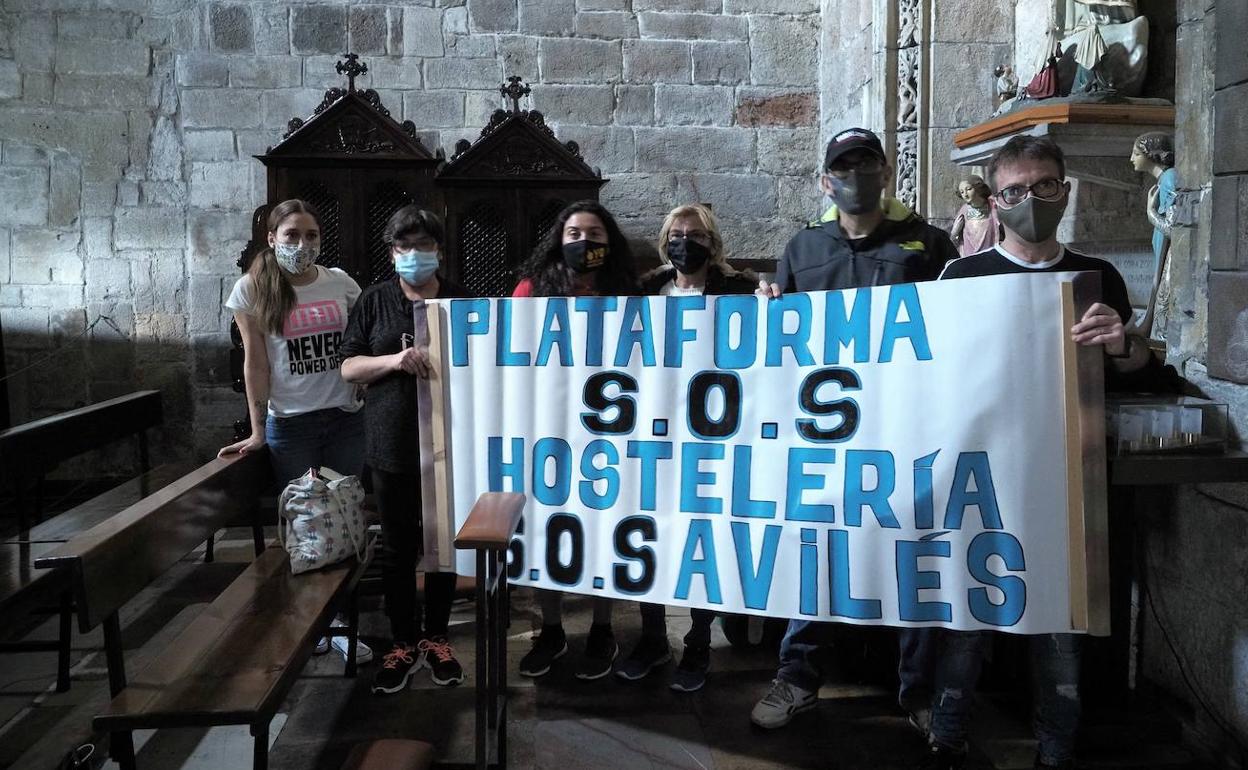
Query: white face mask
[[294, 258]]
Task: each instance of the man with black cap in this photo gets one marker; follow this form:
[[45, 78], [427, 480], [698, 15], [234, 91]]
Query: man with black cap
[[864, 239]]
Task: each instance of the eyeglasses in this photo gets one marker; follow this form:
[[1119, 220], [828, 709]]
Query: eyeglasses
[[701, 236], [841, 169], [1046, 190]]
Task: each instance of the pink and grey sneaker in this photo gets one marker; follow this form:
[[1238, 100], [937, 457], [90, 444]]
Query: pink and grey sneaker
[[397, 667], [437, 656]]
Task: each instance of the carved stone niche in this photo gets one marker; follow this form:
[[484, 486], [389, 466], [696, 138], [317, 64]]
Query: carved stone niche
[[504, 191], [357, 165], [1106, 215]]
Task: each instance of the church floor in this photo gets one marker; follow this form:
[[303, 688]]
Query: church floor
[[555, 722]]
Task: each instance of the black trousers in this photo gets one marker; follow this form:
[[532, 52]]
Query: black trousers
[[654, 623], [402, 543]]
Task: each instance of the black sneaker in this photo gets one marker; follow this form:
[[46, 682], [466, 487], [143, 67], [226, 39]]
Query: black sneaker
[[600, 652], [650, 653], [940, 757], [548, 647], [397, 667], [1068, 764], [690, 673], [437, 656]]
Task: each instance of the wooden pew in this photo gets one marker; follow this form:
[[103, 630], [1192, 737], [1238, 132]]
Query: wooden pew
[[30, 450], [237, 660], [235, 663], [488, 530], [25, 589], [113, 561]]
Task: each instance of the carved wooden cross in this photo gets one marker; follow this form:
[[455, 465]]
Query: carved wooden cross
[[515, 90], [352, 69]]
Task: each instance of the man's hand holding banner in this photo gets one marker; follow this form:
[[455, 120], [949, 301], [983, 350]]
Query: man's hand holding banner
[[904, 455]]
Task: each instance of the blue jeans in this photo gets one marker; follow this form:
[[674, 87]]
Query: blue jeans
[[958, 657], [916, 667], [327, 437], [799, 651], [1055, 694], [1055, 690]]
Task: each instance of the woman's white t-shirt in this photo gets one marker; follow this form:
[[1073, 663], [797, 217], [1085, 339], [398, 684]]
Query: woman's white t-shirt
[[304, 358]]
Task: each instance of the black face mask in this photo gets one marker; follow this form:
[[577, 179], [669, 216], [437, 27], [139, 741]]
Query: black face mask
[[859, 193], [687, 256], [585, 256]]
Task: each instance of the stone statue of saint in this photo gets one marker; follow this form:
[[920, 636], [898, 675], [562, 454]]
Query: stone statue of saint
[[1153, 153], [1109, 43], [975, 227], [1007, 85]]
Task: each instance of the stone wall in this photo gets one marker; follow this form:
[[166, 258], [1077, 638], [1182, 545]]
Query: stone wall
[[1195, 537], [126, 136]]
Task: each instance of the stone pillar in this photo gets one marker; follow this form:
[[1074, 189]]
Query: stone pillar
[[1228, 254], [911, 121]]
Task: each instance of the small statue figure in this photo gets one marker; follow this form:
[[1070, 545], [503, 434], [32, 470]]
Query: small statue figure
[[1109, 43], [1045, 84], [1007, 84], [1153, 153], [975, 227]]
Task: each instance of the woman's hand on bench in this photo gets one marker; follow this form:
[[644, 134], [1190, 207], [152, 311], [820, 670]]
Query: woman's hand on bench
[[250, 444]]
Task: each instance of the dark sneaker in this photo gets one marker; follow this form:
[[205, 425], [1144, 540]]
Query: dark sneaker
[[600, 652], [1068, 764], [921, 720], [942, 758], [437, 656], [690, 673], [397, 667], [781, 703], [550, 645], [650, 653]]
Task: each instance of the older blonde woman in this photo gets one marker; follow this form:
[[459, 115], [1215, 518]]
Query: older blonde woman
[[693, 257], [694, 263]]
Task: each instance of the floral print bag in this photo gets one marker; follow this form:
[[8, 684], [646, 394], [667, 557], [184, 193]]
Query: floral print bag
[[322, 522]]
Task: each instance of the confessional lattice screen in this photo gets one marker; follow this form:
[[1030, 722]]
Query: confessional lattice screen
[[330, 209], [483, 251], [386, 198]]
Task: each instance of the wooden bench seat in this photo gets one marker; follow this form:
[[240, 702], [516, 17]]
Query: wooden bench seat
[[234, 664], [63, 526], [30, 450], [390, 754], [113, 561], [25, 589]]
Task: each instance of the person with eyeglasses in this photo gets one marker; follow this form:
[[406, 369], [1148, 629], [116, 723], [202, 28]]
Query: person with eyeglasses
[[865, 239], [384, 350], [1032, 194], [694, 264]]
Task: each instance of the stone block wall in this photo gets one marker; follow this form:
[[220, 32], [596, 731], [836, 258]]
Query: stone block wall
[[126, 136]]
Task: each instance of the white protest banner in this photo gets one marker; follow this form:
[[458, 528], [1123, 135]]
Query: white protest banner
[[902, 455]]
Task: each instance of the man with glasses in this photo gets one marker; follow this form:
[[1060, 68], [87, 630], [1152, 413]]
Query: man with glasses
[[1028, 175], [864, 239]]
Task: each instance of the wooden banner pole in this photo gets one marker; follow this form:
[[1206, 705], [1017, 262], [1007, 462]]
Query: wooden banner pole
[[1088, 529], [440, 428]]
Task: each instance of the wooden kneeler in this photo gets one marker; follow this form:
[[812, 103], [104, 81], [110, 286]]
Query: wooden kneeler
[[488, 530]]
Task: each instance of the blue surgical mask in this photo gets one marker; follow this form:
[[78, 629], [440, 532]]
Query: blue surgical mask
[[416, 267]]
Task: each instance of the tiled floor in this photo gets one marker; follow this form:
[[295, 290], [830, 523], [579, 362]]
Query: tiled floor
[[556, 722]]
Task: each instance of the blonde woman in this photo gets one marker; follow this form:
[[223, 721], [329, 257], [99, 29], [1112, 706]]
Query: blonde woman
[[693, 255]]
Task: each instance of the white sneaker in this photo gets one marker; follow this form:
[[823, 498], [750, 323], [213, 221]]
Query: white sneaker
[[781, 703], [363, 653], [322, 646]]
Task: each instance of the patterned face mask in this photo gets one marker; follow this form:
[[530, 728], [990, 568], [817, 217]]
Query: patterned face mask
[[294, 258]]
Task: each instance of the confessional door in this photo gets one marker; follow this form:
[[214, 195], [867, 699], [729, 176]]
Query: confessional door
[[354, 204]]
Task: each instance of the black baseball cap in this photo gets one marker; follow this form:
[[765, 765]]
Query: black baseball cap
[[852, 139]]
